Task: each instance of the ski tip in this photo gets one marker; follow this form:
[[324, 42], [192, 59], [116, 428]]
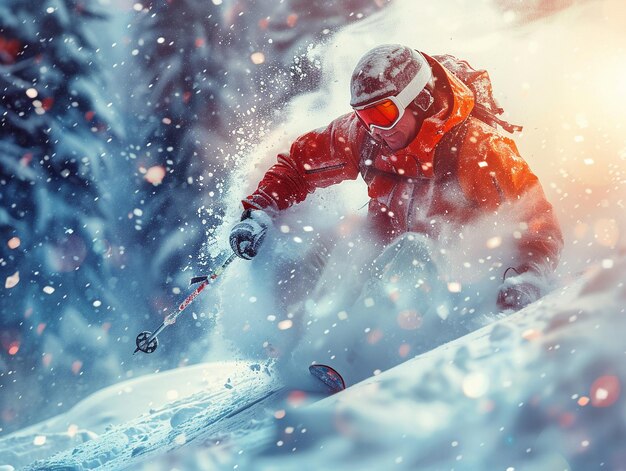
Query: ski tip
[[329, 376]]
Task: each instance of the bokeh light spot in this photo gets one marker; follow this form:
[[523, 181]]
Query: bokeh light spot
[[409, 320], [155, 175], [14, 347], [475, 385], [12, 280], [257, 58], [605, 391], [14, 243]]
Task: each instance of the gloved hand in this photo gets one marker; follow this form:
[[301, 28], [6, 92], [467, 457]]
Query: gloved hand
[[247, 236], [517, 292]]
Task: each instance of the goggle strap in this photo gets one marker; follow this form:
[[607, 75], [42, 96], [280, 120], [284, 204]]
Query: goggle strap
[[416, 85]]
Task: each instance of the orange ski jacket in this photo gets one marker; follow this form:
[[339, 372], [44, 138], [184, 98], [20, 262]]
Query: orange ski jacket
[[456, 170]]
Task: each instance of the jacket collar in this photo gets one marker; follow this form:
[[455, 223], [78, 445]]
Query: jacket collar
[[434, 127]]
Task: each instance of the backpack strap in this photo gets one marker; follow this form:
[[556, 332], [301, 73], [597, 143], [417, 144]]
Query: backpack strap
[[488, 117]]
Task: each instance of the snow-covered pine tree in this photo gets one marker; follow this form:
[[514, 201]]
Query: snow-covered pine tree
[[55, 123], [267, 45]]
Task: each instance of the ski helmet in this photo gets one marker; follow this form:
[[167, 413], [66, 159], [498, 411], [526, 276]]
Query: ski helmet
[[385, 71]]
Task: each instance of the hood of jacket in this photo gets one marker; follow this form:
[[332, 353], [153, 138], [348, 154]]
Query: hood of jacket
[[453, 110]]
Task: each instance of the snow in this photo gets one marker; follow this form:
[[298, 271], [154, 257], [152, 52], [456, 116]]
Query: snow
[[540, 389], [123, 420], [506, 396]]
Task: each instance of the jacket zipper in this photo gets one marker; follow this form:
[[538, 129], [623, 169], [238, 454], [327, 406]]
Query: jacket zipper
[[324, 169]]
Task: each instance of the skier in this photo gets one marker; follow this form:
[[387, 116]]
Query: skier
[[425, 142]]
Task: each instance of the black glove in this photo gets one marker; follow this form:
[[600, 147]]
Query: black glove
[[247, 236], [517, 292]]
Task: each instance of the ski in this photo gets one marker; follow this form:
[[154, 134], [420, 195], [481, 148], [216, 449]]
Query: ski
[[147, 341], [329, 376]]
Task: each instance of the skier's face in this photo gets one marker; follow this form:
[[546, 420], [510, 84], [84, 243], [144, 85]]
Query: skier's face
[[403, 133]]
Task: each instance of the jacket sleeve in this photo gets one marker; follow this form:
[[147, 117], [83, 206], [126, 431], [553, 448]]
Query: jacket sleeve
[[317, 159], [497, 178]]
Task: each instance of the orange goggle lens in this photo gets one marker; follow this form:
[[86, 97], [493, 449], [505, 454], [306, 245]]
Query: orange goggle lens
[[384, 114]]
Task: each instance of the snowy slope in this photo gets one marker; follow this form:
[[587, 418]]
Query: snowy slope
[[539, 390], [209, 394]]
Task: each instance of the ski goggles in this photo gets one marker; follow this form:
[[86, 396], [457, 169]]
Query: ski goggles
[[385, 113]]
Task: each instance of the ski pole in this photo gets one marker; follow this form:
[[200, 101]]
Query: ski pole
[[147, 341]]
